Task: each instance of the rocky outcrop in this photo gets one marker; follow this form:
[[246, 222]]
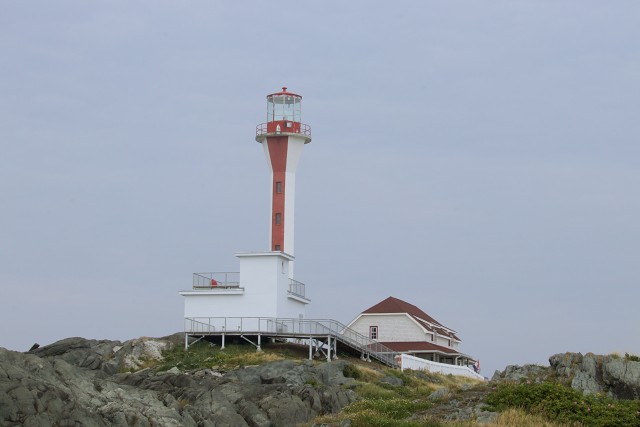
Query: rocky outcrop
[[525, 373], [81, 382], [613, 375], [464, 406]]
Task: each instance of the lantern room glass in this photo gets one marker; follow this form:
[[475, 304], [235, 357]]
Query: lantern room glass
[[284, 107]]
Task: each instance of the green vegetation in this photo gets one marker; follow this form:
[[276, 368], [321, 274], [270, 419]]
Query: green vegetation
[[386, 405], [631, 357], [205, 355], [382, 404], [386, 412], [565, 405]]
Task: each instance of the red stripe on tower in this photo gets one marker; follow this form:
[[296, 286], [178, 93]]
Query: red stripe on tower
[[277, 146]]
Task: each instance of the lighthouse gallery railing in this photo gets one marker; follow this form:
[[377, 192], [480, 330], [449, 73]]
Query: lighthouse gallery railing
[[305, 129]]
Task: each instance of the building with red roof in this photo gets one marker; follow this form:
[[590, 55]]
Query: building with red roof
[[405, 328]]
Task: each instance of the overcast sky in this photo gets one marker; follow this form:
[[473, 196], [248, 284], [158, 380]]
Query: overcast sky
[[479, 159]]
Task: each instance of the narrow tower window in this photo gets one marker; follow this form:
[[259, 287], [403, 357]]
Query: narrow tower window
[[277, 249], [278, 187], [278, 218]]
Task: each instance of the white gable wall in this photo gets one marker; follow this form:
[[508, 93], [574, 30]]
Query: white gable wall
[[391, 327]]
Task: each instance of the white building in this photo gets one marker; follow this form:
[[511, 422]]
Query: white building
[[404, 328]]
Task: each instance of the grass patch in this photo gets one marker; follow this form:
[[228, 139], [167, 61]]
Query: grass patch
[[385, 412], [518, 417], [386, 405], [205, 355], [381, 412], [361, 373], [565, 405]]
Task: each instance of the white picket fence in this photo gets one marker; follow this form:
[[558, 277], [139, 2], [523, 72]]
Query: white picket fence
[[418, 364]]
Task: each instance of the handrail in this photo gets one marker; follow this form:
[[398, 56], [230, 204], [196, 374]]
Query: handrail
[[297, 327], [220, 279], [297, 288], [305, 129]]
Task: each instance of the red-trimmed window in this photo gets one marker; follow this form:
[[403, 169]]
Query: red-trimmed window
[[278, 187], [278, 218], [373, 332]]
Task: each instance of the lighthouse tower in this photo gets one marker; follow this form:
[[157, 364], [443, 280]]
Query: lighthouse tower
[[264, 289], [282, 137]]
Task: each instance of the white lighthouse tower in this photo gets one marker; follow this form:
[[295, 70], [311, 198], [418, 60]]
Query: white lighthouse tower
[[282, 137], [264, 288]]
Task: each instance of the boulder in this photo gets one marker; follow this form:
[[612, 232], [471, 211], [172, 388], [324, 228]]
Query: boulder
[[531, 373], [612, 375], [81, 352]]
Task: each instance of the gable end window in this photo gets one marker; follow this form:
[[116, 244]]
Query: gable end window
[[373, 332]]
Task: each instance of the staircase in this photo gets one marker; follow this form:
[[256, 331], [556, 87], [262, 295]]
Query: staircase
[[292, 328]]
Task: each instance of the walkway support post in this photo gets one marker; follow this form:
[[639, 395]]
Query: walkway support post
[[222, 346], [328, 348]]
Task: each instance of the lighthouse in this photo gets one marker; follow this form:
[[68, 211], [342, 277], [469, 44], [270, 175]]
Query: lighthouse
[[282, 137], [239, 302]]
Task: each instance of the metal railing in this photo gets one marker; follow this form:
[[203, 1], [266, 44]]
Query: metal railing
[[300, 328], [305, 129], [297, 288], [223, 280]]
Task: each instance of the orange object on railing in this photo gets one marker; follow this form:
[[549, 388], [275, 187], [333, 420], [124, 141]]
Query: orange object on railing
[[214, 283]]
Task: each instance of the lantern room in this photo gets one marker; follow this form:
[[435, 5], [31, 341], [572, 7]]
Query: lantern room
[[283, 106], [284, 110]]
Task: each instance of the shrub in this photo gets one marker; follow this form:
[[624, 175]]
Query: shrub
[[352, 371], [631, 357], [565, 405]]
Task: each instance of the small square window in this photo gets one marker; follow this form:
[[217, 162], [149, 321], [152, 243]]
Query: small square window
[[278, 218], [373, 332], [277, 247], [278, 187]]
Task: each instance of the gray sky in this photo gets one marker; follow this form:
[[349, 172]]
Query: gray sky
[[477, 159]]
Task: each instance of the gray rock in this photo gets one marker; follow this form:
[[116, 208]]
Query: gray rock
[[439, 393], [81, 352], [395, 381], [591, 374], [532, 373], [332, 373], [75, 382]]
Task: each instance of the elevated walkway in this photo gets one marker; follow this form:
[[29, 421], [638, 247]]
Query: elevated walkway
[[324, 334]]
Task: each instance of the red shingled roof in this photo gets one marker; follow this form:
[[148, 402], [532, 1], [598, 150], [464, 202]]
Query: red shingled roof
[[395, 305]]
